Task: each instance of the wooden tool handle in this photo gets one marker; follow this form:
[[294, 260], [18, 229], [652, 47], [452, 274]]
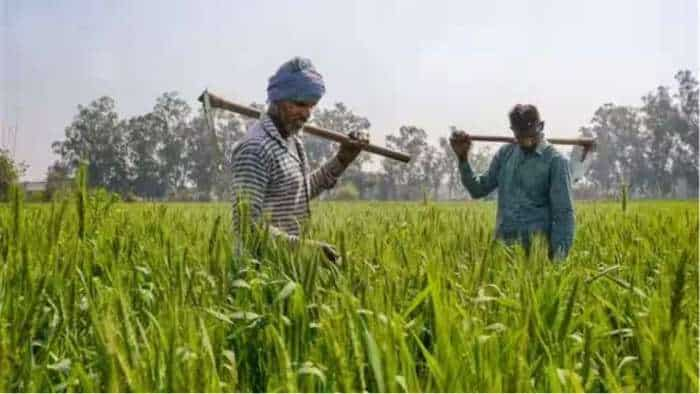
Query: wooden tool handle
[[585, 142], [221, 103]]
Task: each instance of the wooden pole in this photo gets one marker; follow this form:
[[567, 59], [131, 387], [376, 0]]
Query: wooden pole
[[221, 103]]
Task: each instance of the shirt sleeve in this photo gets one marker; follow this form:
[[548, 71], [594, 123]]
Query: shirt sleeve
[[563, 221], [250, 179], [481, 185], [325, 177]]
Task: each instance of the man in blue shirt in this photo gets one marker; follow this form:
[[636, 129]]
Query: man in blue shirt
[[533, 182]]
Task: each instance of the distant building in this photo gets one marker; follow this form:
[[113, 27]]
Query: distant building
[[34, 187]]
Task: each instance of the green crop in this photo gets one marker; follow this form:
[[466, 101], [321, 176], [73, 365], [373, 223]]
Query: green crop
[[97, 295]]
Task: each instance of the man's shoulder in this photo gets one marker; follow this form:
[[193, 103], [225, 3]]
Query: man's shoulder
[[553, 153], [505, 150], [256, 134], [555, 158], [256, 140]]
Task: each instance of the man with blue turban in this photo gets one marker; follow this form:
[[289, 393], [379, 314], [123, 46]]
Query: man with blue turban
[[270, 169]]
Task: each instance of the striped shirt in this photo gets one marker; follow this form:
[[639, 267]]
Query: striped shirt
[[276, 181]]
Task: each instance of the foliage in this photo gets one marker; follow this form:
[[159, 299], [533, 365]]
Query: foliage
[[346, 192], [57, 180], [96, 136], [169, 151], [652, 148], [10, 172]]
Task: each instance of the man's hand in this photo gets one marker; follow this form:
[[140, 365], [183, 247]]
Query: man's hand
[[349, 150], [461, 143], [328, 250]]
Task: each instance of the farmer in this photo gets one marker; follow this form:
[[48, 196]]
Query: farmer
[[270, 169], [533, 181]]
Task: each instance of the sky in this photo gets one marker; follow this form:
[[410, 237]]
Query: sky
[[428, 64]]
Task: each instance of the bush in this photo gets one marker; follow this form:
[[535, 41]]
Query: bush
[[41, 196], [10, 172], [132, 197], [347, 192]]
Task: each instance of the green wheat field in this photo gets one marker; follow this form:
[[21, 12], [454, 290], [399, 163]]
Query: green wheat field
[[99, 295]]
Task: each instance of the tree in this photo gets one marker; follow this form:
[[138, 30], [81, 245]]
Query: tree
[[432, 170], [231, 129], [98, 137], [340, 119], [404, 180], [688, 99], [343, 120], [57, 178], [652, 148], [174, 113], [10, 172], [144, 138], [210, 154], [660, 121], [620, 153], [449, 165], [686, 152]]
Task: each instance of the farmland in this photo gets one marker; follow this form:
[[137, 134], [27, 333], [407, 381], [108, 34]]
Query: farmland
[[99, 295]]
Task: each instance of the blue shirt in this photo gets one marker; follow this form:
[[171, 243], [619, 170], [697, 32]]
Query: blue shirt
[[534, 194]]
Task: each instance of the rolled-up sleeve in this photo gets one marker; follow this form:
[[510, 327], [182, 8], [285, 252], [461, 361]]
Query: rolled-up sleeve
[[562, 210]]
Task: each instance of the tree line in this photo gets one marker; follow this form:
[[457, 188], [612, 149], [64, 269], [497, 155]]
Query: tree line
[[171, 153], [651, 148]]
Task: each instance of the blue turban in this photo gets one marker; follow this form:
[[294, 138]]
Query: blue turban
[[296, 80]]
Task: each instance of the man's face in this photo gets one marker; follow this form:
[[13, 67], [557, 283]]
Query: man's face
[[529, 138], [294, 114]]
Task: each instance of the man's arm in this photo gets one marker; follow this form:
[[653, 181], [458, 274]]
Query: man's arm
[[562, 209], [481, 185], [325, 177], [250, 179]]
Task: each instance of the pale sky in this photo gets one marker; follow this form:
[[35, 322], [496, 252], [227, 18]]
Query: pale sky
[[429, 64]]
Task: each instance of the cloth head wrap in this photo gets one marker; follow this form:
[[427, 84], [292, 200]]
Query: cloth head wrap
[[296, 80]]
